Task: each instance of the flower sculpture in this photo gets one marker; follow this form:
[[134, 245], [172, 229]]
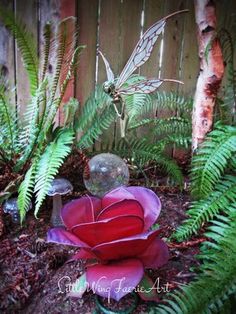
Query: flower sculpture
[[115, 232]]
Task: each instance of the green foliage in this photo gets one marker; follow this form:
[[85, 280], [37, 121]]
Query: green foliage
[[50, 162], [214, 190], [26, 45], [140, 146], [214, 288], [140, 152], [212, 159], [8, 135], [32, 148], [205, 209]]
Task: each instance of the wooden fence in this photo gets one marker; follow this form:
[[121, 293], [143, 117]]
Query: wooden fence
[[114, 26]]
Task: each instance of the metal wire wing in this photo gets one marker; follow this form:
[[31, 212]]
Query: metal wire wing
[[144, 87], [142, 51], [110, 75]]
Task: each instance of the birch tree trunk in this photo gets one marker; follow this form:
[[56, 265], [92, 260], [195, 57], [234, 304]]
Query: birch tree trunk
[[211, 70]]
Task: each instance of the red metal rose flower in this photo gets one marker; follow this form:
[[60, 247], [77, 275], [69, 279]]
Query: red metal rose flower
[[115, 230]]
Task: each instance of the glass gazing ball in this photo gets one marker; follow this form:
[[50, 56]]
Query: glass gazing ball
[[106, 172]]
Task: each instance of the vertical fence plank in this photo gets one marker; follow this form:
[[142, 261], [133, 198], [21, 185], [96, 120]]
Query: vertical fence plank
[[27, 12], [130, 28], [109, 36], [189, 62], [173, 35], [153, 11], [68, 8], [87, 19], [109, 44], [7, 54], [49, 13]]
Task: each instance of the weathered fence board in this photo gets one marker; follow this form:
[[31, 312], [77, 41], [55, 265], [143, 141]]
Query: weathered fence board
[[87, 19], [153, 11], [130, 28], [49, 13], [7, 54], [189, 61], [27, 11], [115, 26], [173, 35], [68, 9]]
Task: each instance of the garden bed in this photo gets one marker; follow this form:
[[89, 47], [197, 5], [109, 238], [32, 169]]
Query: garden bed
[[30, 269]]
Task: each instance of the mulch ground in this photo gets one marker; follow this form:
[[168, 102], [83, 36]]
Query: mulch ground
[[30, 268]]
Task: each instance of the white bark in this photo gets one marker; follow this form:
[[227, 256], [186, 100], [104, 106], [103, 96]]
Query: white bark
[[211, 70]]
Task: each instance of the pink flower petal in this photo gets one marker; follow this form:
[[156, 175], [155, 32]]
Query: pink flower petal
[[108, 230], [127, 207], [116, 279], [116, 195], [81, 210], [150, 203], [61, 236], [127, 247], [156, 255]]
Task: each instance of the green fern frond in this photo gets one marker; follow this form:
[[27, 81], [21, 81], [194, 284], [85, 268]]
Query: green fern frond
[[65, 50], [172, 125], [29, 136], [135, 103], [8, 127], [211, 160], [26, 190], [100, 123], [26, 45], [92, 107], [168, 101], [31, 116], [204, 210], [215, 287], [141, 152], [52, 110], [47, 35], [49, 164]]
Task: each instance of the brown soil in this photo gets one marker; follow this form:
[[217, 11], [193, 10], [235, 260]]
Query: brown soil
[[30, 268]]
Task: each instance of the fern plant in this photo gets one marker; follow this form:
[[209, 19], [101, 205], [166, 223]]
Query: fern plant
[[214, 190], [212, 159], [214, 288], [140, 146], [32, 148]]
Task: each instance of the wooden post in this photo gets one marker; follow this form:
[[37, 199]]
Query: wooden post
[[211, 70]]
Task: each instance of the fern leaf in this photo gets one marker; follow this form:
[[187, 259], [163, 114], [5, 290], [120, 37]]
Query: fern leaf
[[141, 151], [98, 125], [47, 44], [26, 190], [205, 209], [213, 291], [92, 107], [211, 160], [7, 124], [168, 101], [26, 45], [49, 164]]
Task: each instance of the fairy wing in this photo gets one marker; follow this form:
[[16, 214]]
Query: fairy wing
[[142, 51], [110, 75], [144, 87]]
